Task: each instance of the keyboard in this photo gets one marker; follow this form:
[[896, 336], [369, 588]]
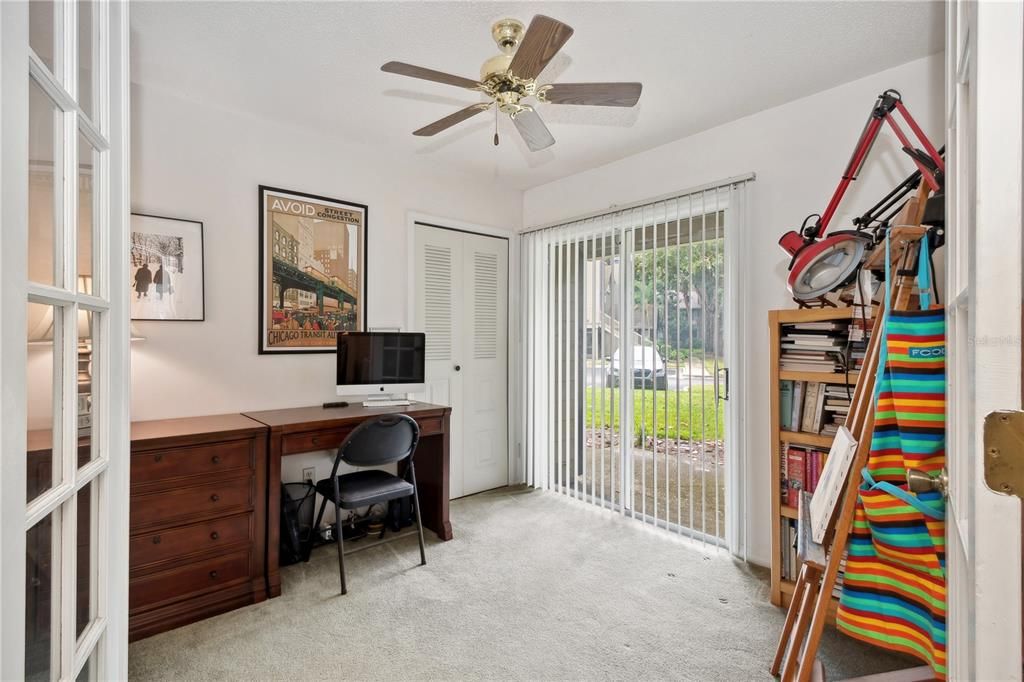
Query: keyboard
[[386, 403]]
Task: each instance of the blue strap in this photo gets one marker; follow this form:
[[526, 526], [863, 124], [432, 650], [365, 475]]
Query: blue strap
[[924, 274], [885, 486], [883, 349]]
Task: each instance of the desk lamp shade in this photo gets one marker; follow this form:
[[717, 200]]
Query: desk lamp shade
[[823, 265], [42, 331]]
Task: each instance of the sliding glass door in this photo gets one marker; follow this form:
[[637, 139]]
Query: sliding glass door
[[626, 332]]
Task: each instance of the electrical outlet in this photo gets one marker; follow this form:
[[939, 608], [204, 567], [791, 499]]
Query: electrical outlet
[[309, 474]]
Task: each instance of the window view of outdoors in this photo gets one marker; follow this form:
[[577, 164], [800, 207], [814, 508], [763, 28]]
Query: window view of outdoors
[[675, 475]]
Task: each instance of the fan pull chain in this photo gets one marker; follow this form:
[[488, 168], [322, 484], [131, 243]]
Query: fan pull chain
[[495, 126]]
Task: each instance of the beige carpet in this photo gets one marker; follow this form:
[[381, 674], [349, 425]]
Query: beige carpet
[[534, 586]]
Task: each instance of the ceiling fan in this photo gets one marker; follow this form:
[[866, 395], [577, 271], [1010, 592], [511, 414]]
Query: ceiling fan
[[510, 78]]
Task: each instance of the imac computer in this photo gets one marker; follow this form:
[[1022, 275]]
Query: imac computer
[[384, 366]]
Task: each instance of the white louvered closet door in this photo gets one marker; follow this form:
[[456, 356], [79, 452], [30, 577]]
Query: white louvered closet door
[[462, 306]]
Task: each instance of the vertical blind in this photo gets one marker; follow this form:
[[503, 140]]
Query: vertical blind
[[626, 320]]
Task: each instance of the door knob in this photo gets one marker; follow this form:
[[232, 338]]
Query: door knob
[[921, 482], [458, 368]]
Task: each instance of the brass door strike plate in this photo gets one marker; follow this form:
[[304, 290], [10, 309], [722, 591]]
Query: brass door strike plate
[[1004, 452]]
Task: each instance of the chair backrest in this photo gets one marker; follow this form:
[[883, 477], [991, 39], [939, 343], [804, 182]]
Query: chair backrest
[[383, 440]]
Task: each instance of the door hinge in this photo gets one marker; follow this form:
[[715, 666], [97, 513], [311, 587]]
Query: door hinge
[[1004, 452]]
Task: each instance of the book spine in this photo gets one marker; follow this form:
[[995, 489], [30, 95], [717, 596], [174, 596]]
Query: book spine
[[795, 470], [798, 403], [810, 403], [786, 404]]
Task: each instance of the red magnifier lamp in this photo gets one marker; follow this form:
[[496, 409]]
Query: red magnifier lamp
[[822, 264]]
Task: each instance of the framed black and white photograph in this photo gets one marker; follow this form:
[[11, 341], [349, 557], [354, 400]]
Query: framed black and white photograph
[[166, 268], [312, 271]]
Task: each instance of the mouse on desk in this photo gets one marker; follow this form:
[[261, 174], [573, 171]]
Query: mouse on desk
[[340, 403]]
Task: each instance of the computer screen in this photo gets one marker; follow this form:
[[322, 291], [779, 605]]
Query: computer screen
[[378, 358]]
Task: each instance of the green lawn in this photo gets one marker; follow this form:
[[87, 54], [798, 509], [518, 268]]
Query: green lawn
[[667, 405]]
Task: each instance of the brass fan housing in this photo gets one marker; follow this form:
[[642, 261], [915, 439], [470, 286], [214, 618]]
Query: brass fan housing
[[496, 82], [507, 33]]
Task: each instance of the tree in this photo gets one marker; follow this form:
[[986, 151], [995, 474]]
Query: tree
[[669, 278]]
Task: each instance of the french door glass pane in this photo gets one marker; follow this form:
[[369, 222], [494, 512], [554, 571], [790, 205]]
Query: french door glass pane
[[85, 60], [86, 371], [41, 569], [40, 31], [85, 600], [43, 185], [44, 368], [87, 158], [88, 671]]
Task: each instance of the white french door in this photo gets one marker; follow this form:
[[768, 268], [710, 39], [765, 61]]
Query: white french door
[[64, 340], [985, 96], [630, 330], [461, 303]]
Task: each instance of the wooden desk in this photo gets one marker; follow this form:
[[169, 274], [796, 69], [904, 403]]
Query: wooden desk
[[306, 429]]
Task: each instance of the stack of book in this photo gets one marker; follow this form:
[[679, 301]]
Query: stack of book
[[791, 558], [814, 346], [836, 407], [84, 391], [813, 406], [801, 470]]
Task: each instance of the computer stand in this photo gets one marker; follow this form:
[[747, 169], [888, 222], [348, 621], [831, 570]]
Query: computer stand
[[387, 401]]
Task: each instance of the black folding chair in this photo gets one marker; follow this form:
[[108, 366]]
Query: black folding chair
[[376, 442]]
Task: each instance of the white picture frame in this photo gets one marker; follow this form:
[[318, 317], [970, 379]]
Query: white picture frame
[[166, 269]]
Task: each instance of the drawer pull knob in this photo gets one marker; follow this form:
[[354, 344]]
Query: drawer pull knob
[[216, 459], [213, 575], [158, 458], [214, 535], [215, 497], [156, 539]]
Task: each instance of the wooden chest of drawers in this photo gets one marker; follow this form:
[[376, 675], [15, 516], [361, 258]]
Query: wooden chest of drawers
[[198, 520]]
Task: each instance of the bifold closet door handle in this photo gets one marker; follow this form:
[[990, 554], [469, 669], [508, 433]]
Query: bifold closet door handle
[[458, 368]]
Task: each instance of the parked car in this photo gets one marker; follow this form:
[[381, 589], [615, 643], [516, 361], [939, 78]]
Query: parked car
[[648, 369]]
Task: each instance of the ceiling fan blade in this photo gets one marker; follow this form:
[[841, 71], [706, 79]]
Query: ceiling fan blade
[[450, 120], [404, 69], [595, 94], [532, 128], [543, 39]]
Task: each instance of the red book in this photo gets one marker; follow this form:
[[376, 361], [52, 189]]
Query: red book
[[795, 473]]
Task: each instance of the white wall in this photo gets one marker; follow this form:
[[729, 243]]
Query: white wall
[[190, 160], [798, 152]]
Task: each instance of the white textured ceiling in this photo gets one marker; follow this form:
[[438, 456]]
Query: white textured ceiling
[[317, 65]]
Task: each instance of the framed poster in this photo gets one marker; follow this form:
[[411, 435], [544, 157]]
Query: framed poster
[[166, 268], [312, 271]]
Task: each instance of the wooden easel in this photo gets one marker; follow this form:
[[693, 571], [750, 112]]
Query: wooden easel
[[805, 620]]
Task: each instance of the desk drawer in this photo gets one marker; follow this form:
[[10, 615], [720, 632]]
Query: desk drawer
[[174, 543], [430, 426], [313, 440], [201, 460], [189, 580], [211, 499]]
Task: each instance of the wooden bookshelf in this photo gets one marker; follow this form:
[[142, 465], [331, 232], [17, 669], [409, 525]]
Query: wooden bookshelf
[[782, 589]]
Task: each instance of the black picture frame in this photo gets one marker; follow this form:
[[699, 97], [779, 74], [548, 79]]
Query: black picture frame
[[201, 317], [363, 279]]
